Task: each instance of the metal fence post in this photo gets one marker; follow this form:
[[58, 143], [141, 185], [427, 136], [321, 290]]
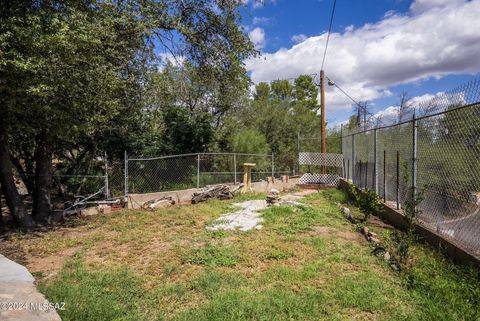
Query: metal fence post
[[414, 154], [107, 192], [384, 176], [398, 181], [235, 168], [298, 152], [375, 174], [198, 170], [353, 159], [273, 168], [126, 173]]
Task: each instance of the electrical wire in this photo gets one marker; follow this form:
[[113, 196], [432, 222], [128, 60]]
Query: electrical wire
[[354, 101], [329, 32]]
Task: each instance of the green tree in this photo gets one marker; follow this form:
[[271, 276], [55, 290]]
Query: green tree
[[74, 73], [249, 141], [281, 90], [262, 91], [306, 91]]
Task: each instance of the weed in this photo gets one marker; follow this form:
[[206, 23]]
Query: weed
[[404, 240], [213, 255], [277, 254], [301, 266], [370, 204]]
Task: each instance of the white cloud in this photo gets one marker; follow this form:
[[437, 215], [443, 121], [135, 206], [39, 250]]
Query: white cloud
[[257, 36], [299, 38], [420, 6], [175, 60], [261, 20], [436, 38], [257, 3], [387, 116], [390, 114]]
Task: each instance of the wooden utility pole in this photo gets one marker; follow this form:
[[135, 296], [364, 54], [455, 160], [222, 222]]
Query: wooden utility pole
[[322, 115]]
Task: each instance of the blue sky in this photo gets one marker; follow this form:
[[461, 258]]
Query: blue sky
[[378, 48]]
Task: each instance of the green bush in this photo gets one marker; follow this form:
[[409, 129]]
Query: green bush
[[368, 201]]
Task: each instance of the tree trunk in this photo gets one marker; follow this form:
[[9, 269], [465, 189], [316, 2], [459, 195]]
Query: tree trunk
[[43, 179], [24, 173], [2, 225], [14, 201]]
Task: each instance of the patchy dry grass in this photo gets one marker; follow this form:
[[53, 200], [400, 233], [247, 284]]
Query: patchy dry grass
[[307, 263]]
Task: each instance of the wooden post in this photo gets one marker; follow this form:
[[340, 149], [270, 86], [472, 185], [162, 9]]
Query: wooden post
[[360, 174], [247, 177], [348, 169], [366, 175]]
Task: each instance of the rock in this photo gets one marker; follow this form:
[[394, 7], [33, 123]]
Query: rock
[[474, 198], [274, 191], [351, 219], [345, 210], [89, 211], [386, 256], [378, 250], [104, 209], [273, 197], [364, 231], [395, 267]]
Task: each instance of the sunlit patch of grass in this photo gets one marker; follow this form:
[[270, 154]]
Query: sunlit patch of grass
[[213, 255], [307, 263], [95, 295]]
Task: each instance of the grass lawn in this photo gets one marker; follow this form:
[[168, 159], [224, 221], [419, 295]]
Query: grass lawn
[[305, 264]]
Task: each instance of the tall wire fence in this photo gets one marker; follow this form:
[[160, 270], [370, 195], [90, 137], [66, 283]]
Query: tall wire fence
[[437, 152], [167, 173]]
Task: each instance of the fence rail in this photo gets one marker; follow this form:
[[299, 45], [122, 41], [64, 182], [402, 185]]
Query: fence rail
[[437, 153]]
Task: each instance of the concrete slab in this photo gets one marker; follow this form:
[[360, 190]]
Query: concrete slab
[[13, 272], [245, 219], [248, 217], [19, 298]]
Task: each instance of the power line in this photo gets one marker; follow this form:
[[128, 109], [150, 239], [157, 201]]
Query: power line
[[364, 108], [329, 31]]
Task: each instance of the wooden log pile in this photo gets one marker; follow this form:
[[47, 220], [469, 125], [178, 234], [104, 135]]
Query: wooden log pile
[[158, 203], [221, 192]]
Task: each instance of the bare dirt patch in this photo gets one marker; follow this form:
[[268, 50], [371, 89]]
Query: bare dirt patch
[[348, 236], [52, 263], [319, 230]]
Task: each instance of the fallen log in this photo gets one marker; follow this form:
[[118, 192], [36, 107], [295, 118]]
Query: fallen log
[[218, 191], [158, 203]]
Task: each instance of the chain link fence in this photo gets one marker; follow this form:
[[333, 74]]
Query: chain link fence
[[437, 152], [167, 173]]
